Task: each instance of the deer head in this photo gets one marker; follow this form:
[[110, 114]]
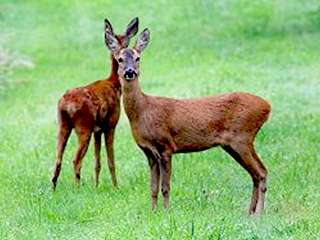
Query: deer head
[[127, 58]]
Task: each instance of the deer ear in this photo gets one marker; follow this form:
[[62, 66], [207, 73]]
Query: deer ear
[[107, 26], [142, 41], [132, 28], [112, 43]]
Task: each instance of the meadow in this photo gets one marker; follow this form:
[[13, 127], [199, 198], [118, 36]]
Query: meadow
[[198, 48]]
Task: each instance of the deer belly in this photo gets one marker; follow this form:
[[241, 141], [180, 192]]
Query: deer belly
[[195, 139], [194, 144]]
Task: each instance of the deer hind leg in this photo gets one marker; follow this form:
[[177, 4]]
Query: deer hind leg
[[97, 165], [247, 158], [165, 169], [84, 135], [109, 138], [261, 186], [65, 127]]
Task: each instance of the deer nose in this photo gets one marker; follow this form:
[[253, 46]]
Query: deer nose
[[130, 74]]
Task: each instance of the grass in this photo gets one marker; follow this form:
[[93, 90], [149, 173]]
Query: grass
[[270, 48]]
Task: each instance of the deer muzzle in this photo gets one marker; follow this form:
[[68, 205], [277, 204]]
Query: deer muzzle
[[130, 74]]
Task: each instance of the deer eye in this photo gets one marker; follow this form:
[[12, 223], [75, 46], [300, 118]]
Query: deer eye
[[137, 59], [120, 60]]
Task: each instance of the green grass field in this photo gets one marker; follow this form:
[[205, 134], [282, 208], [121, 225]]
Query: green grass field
[[198, 48]]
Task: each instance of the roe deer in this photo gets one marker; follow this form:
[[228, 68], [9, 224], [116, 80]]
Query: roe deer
[[94, 108], [163, 126]]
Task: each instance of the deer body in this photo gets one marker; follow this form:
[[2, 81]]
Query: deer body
[[97, 104], [92, 109], [191, 125], [164, 126]]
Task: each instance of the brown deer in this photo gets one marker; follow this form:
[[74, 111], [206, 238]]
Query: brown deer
[[163, 126], [92, 109]]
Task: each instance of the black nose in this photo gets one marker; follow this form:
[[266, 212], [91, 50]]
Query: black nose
[[130, 73]]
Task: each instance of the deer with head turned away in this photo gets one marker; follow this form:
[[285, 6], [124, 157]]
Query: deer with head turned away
[[163, 126], [92, 109]]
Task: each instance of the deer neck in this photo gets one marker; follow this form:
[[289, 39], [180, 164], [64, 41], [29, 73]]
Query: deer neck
[[133, 98], [114, 77]]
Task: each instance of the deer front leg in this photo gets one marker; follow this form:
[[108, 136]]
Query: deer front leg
[[155, 179], [109, 137], [97, 164], [166, 177]]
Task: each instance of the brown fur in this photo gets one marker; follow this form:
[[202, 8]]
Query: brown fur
[[164, 126], [92, 109]]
